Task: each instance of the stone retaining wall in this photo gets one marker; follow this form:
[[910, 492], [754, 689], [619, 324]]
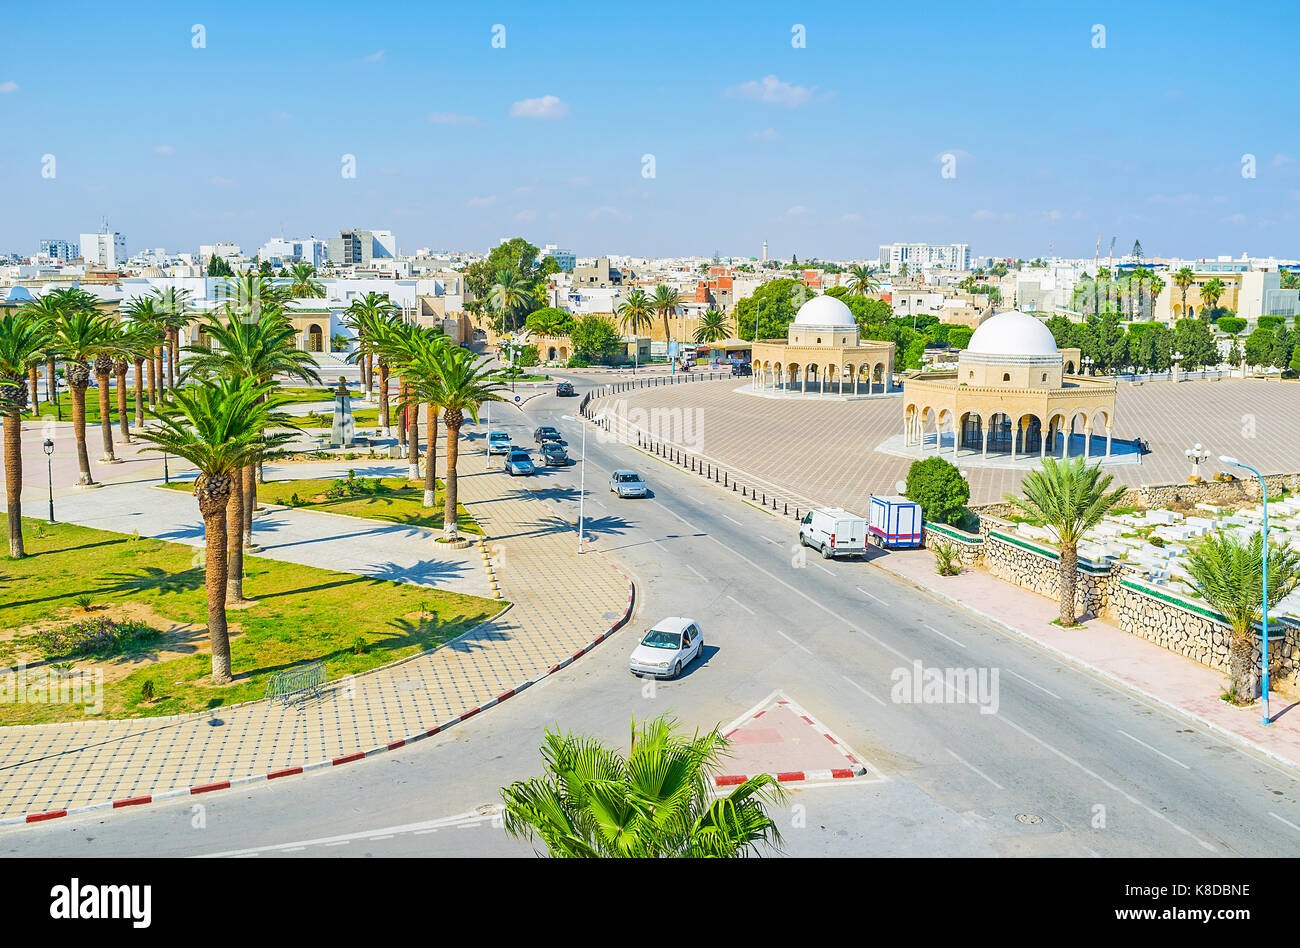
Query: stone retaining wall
[[970, 546], [1241, 491]]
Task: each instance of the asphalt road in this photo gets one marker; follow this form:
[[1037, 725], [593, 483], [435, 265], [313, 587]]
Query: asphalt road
[[1068, 765]]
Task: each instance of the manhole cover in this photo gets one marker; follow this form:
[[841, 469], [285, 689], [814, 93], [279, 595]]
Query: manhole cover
[[487, 809], [1028, 818]]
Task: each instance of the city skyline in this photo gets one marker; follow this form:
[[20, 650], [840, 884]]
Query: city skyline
[[1026, 141]]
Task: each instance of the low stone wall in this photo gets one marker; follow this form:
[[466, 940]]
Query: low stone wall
[[1245, 490], [1037, 568], [969, 546]]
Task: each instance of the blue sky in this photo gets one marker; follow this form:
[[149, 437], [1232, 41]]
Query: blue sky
[[827, 150]]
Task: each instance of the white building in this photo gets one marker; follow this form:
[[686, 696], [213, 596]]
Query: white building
[[565, 259], [225, 250], [280, 252], [103, 250], [920, 256]]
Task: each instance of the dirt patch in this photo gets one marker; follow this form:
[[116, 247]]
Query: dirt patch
[[179, 639]]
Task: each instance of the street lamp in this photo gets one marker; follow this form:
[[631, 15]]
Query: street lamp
[[1264, 638], [1196, 455], [49, 472], [582, 477], [166, 473], [1088, 362], [1177, 358]]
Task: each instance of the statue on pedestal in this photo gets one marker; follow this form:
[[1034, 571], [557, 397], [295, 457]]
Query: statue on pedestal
[[341, 433]]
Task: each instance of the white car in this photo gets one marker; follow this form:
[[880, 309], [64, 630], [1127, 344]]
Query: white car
[[667, 648]]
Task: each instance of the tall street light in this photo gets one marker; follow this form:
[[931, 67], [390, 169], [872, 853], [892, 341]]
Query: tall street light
[[1266, 722], [49, 472], [1196, 455], [582, 477]]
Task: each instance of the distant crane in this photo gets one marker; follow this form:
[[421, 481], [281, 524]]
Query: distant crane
[[1096, 257], [1110, 255]]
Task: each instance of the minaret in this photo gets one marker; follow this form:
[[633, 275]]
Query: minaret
[[765, 251]]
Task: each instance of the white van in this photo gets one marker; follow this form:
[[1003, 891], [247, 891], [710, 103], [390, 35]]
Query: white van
[[834, 531]]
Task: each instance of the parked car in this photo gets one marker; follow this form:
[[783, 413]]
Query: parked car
[[563, 388], [498, 442], [546, 433], [627, 484], [834, 531], [554, 455], [667, 648], [519, 463], [741, 369]]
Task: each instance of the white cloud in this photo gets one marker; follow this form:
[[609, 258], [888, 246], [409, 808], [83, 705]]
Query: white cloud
[[605, 211], [1053, 215], [773, 91], [523, 189], [797, 211], [545, 107], [1281, 160], [165, 149], [984, 214], [481, 201], [220, 181], [524, 217], [766, 135], [452, 118], [374, 57], [10, 86]]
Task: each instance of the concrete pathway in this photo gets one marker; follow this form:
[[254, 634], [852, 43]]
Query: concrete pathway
[[1158, 673], [562, 605]]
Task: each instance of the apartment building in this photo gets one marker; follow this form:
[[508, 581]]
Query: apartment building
[[918, 256]]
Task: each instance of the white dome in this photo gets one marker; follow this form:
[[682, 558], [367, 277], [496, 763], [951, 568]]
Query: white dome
[[1012, 333], [825, 312]]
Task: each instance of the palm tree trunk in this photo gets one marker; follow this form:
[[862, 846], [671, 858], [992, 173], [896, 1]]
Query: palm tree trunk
[[49, 382], [14, 479], [370, 375], [123, 423], [105, 417], [1069, 579], [384, 420], [235, 548], [173, 356], [139, 391], [431, 462], [401, 400], [79, 433], [413, 459], [155, 376], [213, 495], [664, 317], [1241, 668], [35, 378], [449, 524], [250, 503]]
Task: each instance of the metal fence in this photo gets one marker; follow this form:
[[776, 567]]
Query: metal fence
[[297, 684]]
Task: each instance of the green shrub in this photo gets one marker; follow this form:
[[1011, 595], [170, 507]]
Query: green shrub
[[939, 488], [147, 690], [945, 558]]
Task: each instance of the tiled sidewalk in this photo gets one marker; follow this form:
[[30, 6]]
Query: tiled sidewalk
[[1158, 673], [561, 605]]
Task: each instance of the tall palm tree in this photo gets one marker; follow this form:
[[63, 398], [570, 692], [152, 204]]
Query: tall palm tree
[[592, 802], [665, 302], [22, 339], [172, 306], [1184, 278], [863, 280], [510, 296], [1157, 287], [466, 383], [1069, 498], [635, 313], [303, 283], [217, 427], [422, 356], [1103, 274], [361, 316], [80, 333], [143, 316], [713, 326], [1210, 294], [1229, 573], [401, 345], [49, 307]]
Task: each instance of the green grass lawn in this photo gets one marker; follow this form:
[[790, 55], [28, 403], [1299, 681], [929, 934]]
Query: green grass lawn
[[397, 500], [92, 405], [297, 395], [302, 613]]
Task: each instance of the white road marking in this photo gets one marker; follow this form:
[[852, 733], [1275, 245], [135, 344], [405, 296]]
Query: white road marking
[[1102, 780], [942, 636], [823, 569], [872, 595], [863, 690], [427, 826], [1287, 822], [344, 842], [742, 605], [660, 545], [696, 572], [770, 540], [733, 520], [1028, 682], [389, 836], [974, 769], [1152, 749], [792, 641]]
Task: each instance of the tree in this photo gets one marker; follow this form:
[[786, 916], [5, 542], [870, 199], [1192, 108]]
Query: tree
[[516, 254], [713, 327], [1195, 341], [635, 313], [863, 280], [217, 427], [1069, 498], [595, 339], [1228, 572], [421, 357], [362, 315], [303, 283], [549, 321], [656, 802], [512, 296], [1231, 324], [959, 336], [217, 267], [143, 317], [939, 488], [1210, 293], [1183, 279], [80, 332], [772, 306], [466, 384], [1259, 348], [1271, 323], [23, 338], [173, 308], [665, 302]]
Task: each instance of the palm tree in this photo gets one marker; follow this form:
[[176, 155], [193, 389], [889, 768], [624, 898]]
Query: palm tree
[[511, 295], [713, 327], [421, 356], [1229, 573], [143, 316], [665, 302], [466, 383], [1210, 293], [172, 306], [303, 283], [1069, 499], [635, 313], [131, 344], [79, 334], [1184, 278], [862, 280], [592, 802], [22, 340], [360, 316], [1157, 287], [217, 427]]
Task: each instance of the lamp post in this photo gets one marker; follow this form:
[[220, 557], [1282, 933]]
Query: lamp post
[[1264, 637], [1196, 455], [49, 472], [487, 448], [166, 473], [582, 479], [1088, 362], [1177, 358]]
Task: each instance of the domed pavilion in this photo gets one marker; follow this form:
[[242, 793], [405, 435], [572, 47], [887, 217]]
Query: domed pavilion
[[1013, 393], [823, 355]]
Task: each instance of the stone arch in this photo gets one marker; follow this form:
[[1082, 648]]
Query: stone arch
[[551, 354], [972, 429], [315, 338], [564, 353], [1069, 367], [1031, 432]]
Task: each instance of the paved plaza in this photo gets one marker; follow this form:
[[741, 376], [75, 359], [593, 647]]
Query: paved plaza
[[824, 453]]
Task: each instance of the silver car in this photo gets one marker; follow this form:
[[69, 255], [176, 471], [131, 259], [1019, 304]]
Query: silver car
[[627, 484]]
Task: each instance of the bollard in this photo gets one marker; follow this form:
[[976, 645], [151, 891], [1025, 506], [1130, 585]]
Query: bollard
[[724, 478], [764, 499], [787, 510]]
